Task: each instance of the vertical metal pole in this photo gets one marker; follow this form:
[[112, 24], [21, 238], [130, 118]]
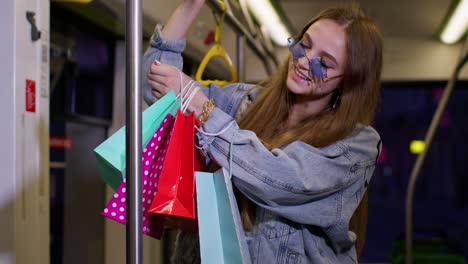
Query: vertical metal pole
[[133, 51], [420, 160], [418, 166], [240, 58]]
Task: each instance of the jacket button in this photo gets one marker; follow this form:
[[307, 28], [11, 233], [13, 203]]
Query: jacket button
[[354, 168]]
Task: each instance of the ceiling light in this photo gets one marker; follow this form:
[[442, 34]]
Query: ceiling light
[[268, 17], [457, 24]]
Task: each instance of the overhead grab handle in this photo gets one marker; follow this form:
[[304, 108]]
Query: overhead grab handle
[[217, 50]]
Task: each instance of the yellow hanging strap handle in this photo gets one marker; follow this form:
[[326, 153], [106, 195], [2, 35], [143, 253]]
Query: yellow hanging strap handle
[[216, 51]]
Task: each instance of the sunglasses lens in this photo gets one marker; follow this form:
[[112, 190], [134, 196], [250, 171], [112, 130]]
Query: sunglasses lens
[[316, 69], [297, 51]]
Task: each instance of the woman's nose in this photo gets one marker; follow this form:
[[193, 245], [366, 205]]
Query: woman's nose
[[303, 62]]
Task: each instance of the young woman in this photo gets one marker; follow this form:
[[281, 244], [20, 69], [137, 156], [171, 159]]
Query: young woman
[[303, 149]]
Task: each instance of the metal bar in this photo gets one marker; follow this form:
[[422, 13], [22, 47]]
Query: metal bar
[[268, 68], [240, 58], [271, 54], [133, 51], [418, 165], [239, 29], [420, 160]]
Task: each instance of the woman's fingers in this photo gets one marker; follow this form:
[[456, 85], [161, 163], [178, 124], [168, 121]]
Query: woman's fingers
[[165, 74], [157, 78], [156, 94], [157, 89], [163, 69], [164, 78]]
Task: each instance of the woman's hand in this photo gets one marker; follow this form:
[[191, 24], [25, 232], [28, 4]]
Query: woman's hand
[[164, 77]]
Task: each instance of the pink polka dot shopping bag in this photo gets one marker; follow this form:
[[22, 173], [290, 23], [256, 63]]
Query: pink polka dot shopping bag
[[152, 158]]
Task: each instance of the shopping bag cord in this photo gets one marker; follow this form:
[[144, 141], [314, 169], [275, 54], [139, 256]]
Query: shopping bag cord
[[217, 133], [188, 99], [187, 92], [231, 143]]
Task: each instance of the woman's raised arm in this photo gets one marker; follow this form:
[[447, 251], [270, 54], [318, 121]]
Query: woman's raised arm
[[182, 18], [167, 44]]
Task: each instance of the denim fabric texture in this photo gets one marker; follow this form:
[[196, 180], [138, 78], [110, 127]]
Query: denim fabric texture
[[304, 196]]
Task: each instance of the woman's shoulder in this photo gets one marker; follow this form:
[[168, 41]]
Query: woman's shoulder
[[241, 88], [251, 92], [233, 98], [363, 134], [363, 144]]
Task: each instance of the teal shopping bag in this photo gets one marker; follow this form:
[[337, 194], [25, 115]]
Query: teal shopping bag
[[222, 237], [110, 154]]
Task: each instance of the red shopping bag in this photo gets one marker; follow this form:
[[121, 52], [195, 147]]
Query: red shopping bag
[[174, 203], [152, 163]]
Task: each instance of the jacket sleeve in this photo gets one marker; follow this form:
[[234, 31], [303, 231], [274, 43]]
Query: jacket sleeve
[[163, 50], [298, 175]]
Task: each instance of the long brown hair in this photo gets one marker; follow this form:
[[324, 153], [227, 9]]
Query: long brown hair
[[359, 88]]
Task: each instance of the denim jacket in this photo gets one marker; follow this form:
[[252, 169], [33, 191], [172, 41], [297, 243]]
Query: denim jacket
[[304, 196]]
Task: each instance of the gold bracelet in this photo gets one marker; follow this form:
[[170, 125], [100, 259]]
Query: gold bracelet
[[208, 107]]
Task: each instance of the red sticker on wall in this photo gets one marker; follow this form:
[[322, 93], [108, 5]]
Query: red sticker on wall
[[30, 96], [60, 142]]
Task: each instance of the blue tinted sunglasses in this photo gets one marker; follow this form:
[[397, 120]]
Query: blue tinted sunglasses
[[317, 69]]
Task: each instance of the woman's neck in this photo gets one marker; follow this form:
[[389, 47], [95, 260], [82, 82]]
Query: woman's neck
[[303, 108]]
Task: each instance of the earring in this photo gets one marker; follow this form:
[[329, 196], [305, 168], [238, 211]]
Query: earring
[[337, 99]]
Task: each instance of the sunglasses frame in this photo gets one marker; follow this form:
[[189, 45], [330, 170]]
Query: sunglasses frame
[[317, 79]]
